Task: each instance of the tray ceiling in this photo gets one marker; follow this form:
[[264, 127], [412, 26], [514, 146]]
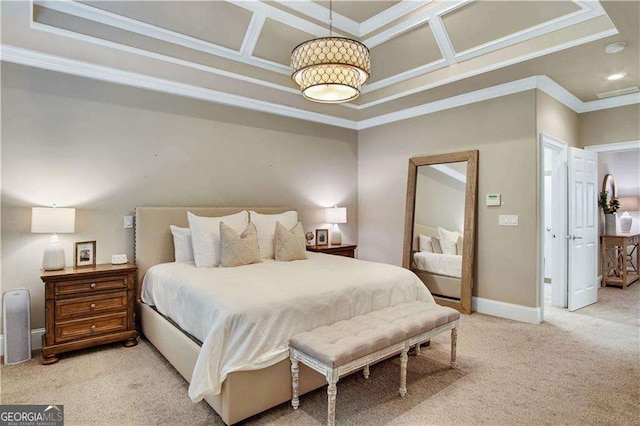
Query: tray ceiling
[[241, 49]]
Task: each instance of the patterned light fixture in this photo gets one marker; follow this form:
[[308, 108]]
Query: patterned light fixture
[[330, 69]]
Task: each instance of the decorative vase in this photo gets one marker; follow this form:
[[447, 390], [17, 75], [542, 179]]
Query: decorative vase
[[610, 224], [625, 222]]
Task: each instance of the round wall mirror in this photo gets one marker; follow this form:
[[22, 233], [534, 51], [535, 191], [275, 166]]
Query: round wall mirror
[[609, 185]]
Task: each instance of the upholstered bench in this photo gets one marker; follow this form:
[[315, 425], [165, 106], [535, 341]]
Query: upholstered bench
[[350, 345]]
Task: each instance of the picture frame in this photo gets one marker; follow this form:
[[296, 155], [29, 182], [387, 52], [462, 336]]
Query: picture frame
[[84, 254], [322, 237]]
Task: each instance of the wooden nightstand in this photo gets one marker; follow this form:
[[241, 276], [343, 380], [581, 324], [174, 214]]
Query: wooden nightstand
[[346, 250], [88, 306]]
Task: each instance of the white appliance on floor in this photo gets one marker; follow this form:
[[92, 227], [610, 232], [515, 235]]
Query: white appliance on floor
[[16, 306]]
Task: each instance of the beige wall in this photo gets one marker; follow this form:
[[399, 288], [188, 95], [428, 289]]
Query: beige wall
[[106, 149], [612, 125], [504, 131], [556, 120]]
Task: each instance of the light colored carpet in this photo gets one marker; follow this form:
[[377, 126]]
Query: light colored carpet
[[576, 368]]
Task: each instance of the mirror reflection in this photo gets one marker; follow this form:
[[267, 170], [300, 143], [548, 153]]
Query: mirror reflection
[[438, 227]]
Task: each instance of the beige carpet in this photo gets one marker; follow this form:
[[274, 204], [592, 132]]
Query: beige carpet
[[576, 368]]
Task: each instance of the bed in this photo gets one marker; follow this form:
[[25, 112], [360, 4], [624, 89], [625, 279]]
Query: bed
[[233, 347], [441, 273]]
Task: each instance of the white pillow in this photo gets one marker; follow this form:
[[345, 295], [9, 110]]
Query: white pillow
[[424, 243], [182, 248], [266, 226], [205, 235], [448, 240]]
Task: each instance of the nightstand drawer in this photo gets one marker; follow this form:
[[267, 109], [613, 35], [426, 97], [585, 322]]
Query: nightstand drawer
[[87, 327], [91, 305], [345, 253], [64, 288]]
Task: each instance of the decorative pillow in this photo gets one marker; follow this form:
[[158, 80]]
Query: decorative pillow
[[460, 245], [182, 248], [448, 240], [266, 226], [435, 244], [205, 235], [424, 243], [290, 244], [238, 250]]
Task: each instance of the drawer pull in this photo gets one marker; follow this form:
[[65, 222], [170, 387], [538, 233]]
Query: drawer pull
[[92, 306], [93, 285], [93, 327]]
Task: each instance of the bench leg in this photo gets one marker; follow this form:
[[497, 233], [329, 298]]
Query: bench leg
[[366, 372], [454, 340], [295, 402], [418, 349], [332, 391], [404, 358]]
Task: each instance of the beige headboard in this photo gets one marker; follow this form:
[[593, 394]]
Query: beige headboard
[[153, 240], [425, 230]]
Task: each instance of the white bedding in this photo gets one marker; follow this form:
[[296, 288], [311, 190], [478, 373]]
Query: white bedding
[[437, 263], [244, 316]]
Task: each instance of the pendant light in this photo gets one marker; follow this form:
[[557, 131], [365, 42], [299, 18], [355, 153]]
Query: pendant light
[[330, 69]]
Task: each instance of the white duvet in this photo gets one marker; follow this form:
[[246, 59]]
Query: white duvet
[[438, 263], [245, 316]]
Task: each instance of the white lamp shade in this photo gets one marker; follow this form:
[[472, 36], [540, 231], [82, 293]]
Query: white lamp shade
[[53, 220], [628, 204], [336, 215]]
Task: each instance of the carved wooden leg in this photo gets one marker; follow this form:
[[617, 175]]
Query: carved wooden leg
[[404, 358], [454, 340], [49, 359], [332, 391], [130, 342], [295, 402], [418, 349], [366, 372]]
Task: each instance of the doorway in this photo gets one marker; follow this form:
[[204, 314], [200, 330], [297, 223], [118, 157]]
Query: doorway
[[553, 220]]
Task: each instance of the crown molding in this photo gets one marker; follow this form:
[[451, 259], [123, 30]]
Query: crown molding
[[83, 69], [614, 147], [96, 72]]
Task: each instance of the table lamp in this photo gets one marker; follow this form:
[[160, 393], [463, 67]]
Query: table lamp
[[627, 204], [336, 215], [53, 220]]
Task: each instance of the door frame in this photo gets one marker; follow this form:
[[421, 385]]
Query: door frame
[[557, 145]]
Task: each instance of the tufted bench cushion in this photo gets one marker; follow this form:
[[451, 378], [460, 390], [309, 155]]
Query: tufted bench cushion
[[347, 340]]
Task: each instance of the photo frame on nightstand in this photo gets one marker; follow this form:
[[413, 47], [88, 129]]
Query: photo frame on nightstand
[[84, 254], [322, 237]]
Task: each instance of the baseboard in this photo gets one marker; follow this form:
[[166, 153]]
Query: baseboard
[[36, 340], [506, 310]]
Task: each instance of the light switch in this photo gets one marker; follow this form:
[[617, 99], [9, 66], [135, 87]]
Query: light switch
[[508, 220], [128, 222]]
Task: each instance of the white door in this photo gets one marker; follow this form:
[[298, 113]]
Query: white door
[[559, 229], [582, 228]]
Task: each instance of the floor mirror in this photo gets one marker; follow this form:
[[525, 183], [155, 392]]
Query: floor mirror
[[439, 235]]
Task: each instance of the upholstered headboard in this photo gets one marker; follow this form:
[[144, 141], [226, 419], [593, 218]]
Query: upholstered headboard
[[425, 230], [153, 240]]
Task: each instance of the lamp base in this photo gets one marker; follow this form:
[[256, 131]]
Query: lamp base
[[336, 236], [625, 223], [54, 258]]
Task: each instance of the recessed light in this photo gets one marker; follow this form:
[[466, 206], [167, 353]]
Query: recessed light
[[616, 76], [615, 47]]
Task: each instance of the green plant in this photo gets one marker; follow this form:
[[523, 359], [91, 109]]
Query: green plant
[[608, 206]]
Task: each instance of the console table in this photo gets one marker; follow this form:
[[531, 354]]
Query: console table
[[619, 268]]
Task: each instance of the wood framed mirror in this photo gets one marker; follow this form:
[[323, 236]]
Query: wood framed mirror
[[609, 185], [439, 232]]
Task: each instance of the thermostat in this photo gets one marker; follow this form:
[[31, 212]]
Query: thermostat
[[493, 200]]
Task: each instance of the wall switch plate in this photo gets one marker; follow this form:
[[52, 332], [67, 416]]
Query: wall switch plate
[[508, 220], [128, 222]]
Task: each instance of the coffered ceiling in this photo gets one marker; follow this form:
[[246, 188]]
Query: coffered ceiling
[[422, 52]]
